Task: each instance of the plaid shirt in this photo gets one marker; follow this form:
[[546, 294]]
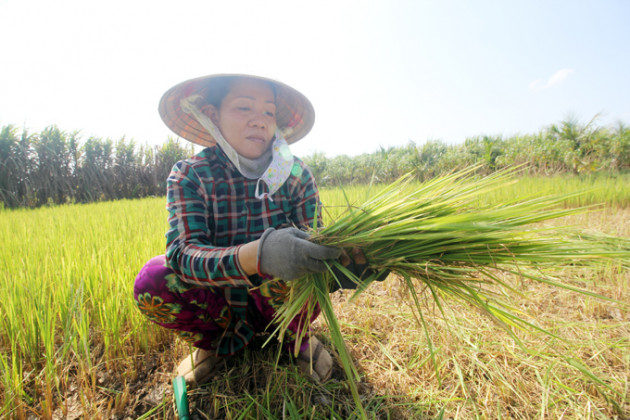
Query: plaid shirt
[[212, 212]]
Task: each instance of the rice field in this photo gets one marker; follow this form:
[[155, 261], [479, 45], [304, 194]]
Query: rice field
[[73, 345]]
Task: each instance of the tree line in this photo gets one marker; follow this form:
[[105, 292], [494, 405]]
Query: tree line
[[56, 167], [566, 147]]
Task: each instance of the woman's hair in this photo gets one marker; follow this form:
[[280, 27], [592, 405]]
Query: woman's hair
[[219, 87]]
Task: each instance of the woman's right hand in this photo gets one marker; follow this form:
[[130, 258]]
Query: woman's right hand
[[358, 266], [288, 254]]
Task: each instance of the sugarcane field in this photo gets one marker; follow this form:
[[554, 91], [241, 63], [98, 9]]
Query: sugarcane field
[[501, 286]]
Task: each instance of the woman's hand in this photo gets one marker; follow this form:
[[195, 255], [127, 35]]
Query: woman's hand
[[356, 264]]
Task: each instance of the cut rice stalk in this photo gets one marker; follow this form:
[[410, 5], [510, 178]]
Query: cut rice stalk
[[442, 234]]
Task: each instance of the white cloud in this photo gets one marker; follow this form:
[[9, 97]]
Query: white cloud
[[558, 77], [555, 79]]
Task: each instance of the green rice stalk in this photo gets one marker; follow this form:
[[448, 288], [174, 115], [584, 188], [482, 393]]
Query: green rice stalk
[[444, 234]]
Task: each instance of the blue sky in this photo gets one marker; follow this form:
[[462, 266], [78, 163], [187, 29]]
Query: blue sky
[[378, 73]]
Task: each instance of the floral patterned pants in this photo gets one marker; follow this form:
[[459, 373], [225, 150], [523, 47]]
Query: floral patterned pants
[[200, 315]]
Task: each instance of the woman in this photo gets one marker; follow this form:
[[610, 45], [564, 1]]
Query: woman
[[238, 215]]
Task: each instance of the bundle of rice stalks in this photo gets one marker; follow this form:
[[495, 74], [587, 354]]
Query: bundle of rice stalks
[[445, 235]]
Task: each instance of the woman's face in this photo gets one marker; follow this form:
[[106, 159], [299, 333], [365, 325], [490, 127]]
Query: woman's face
[[247, 117]]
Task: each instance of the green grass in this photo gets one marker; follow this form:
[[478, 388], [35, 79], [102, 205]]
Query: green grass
[[72, 341], [66, 279]]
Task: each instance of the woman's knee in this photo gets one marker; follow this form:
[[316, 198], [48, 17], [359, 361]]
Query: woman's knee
[[151, 275]]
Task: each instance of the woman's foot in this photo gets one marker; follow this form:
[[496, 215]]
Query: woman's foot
[[198, 367], [315, 362]]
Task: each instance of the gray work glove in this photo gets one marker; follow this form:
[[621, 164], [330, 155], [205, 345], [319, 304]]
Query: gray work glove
[[288, 254]]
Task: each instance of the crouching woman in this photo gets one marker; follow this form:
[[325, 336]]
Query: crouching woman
[[238, 213]]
